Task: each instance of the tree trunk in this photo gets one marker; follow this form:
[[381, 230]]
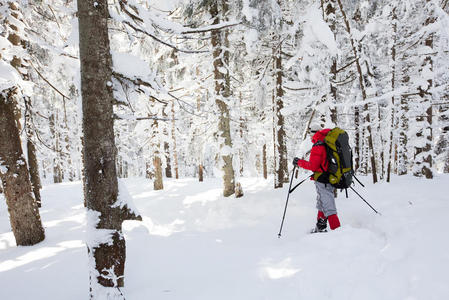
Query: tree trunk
[[423, 154], [403, 139], [200, 173], [364, 96], [275, 153], [168, 172], [442, 144], [356, 138], [173, 134], [31, 155], [34, 171], [241, 130], [329, 10], [22, 207], [220, 47], [282, 171], [393, 88], [107, 250], [157, 163], [264, 161], [57, 170], [158, 183]]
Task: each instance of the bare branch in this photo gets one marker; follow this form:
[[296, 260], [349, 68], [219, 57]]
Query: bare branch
[[134, 118], [120, 77], [161, 41], [48, 82], [54, 15], [344, 67], [444, 4], [210, 28], [299, 89]]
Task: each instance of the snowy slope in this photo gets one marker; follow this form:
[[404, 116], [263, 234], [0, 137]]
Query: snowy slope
[[193, 244]]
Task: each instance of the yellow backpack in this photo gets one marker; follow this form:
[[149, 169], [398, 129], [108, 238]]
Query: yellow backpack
[[339, 157]]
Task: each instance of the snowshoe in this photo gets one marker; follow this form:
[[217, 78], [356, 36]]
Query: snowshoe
[[321, 226], [316, 230]]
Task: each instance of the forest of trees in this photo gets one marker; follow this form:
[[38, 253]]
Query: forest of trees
[[100, 90]]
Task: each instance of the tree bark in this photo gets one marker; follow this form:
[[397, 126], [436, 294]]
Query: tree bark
[[264, 161], [173, 134], [22, 207], [220, 46], [200, 173], [158, 183], [282, 170], [107, 256]]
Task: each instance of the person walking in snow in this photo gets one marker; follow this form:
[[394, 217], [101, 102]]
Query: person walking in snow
[[327, 211]]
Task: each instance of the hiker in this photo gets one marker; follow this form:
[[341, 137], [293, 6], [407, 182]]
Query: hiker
[[327, 211]]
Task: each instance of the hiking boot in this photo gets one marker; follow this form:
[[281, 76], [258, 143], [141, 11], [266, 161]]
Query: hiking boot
[[321, 225]]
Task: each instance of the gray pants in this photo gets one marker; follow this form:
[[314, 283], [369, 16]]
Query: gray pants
[[325, 200]]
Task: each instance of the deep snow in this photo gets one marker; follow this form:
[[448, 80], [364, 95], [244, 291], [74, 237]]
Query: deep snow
[[194, 244]]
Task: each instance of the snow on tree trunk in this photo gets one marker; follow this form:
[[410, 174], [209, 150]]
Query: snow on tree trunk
[[442, 145], [403, 138], [157, 162], [168, 173], [220, 46], [106, 243], [22, 207], [423, 151], [329, 16]]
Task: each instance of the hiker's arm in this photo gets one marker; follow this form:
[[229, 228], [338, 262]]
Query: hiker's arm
[[314, 161]]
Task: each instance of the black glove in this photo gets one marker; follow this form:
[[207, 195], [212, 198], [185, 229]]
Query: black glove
[[295, 161]]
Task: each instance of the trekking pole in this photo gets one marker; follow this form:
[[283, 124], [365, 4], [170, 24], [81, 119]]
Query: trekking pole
[[286, 202], [364, 200], [353, 175]]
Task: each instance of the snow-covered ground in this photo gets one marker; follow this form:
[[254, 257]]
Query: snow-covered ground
[[196, 245]]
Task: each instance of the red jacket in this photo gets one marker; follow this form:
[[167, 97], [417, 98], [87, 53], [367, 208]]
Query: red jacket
[[317, 161]]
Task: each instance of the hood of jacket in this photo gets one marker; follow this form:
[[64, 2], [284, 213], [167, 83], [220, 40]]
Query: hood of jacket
[[320, 135]]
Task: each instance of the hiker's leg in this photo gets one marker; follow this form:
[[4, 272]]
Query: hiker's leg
[[319, 204], [321, 223], [334, 222], [327, 201], [320, 215]]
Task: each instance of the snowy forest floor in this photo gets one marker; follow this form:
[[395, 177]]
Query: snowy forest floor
[[194, 244]]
